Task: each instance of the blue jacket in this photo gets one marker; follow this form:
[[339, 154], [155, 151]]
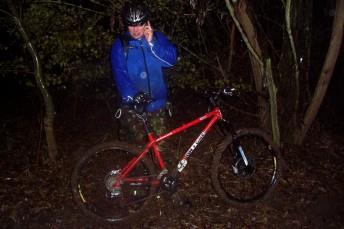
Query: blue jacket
[[131, 66]]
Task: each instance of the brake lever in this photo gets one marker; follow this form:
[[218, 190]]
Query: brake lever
[[229, 91]]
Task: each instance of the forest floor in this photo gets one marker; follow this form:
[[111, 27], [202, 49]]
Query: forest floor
[[33, 194]]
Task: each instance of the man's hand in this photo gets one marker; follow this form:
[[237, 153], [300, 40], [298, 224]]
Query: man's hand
[[140, 102], [148, 32]]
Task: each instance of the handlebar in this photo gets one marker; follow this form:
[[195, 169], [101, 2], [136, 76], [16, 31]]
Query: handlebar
[[228, 91], [140, 101]]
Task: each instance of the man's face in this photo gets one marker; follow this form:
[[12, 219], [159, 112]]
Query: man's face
[[136, 31]]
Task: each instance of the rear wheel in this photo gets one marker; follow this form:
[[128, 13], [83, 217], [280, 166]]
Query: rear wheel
[[96, 173], [245, 167]]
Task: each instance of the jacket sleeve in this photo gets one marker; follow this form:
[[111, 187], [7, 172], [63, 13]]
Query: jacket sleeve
[[163, 50], [120, 73]]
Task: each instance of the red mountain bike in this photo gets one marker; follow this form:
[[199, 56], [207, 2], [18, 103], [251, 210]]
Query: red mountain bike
[[114, 181]]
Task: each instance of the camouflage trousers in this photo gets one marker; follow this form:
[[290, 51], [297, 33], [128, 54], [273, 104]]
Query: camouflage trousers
[[132, 128]]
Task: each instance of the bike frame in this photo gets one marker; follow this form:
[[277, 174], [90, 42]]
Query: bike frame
[[214, 115]]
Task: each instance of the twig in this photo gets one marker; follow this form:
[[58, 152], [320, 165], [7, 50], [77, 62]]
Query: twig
[[220, 67], [72, 5], [7, 13], [243, 112], [199, 58]]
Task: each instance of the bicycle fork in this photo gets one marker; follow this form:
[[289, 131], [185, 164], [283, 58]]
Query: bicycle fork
[[242, 164], [243, 156]]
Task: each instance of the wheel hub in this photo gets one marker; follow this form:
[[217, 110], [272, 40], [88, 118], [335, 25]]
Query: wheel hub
[[110, 180]]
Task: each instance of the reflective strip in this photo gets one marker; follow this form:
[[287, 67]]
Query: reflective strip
[[151, 47]]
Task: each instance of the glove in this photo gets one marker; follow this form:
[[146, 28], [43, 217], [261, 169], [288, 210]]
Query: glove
[[140, 101]]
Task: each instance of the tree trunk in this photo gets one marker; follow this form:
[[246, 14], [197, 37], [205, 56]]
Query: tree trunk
[[326, 72], [255, 58], [48, 103], [293, 67], [306, 61], [273, 103], [288, 9]]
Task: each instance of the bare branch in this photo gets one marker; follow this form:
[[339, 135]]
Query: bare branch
[[7, 13], [71, 5], [200, 58], [244, 37]]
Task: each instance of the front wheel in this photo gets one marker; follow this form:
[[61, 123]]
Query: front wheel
[[96, 173], [245, 167]]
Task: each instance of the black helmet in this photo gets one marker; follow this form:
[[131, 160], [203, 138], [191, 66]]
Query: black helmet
[[135, 14]]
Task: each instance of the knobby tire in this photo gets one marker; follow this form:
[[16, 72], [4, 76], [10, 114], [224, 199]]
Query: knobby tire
[[93, 175], [235, 187]]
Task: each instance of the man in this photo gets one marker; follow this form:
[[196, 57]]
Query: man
[[138, 58]]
